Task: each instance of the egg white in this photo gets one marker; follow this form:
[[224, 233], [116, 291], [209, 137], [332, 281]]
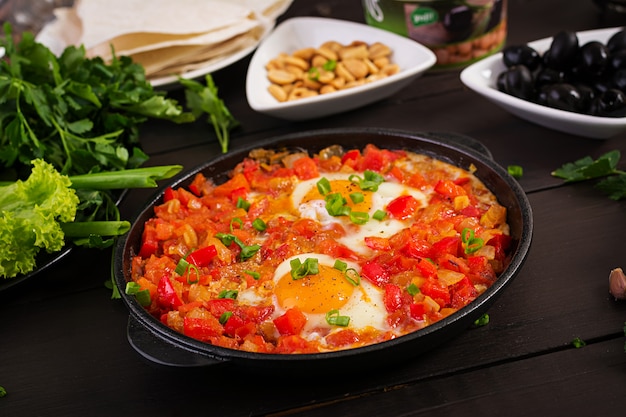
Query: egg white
[[365, 306], [355, 234]]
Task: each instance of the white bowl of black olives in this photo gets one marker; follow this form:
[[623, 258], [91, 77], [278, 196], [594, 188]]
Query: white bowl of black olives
[[574, 82]]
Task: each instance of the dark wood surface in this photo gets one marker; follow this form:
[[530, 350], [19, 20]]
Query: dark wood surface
[[63, 344]]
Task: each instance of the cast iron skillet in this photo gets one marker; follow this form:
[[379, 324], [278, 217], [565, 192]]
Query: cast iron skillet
[[162, 345]]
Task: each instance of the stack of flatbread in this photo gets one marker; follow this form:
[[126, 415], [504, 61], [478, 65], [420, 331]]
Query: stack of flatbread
[[168, 37]]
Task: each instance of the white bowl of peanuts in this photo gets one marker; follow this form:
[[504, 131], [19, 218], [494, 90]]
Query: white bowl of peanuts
[[311, 67]]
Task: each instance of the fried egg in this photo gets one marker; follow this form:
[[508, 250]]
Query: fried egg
[[311, 204], [316, 295]]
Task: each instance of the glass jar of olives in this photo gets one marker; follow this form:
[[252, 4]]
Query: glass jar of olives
[[459, 32]]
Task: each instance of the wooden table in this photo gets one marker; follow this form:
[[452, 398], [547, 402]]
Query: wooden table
[[63, 344]]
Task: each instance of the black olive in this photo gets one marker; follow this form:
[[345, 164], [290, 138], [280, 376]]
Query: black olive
[[593, 58], [517, 81], [547, 76], [458, 22], [521, 55], [495, 16], [617, 60], [618, 79], [560, 96], [563, 50], [611, 103], [587, 95], [617, 42]]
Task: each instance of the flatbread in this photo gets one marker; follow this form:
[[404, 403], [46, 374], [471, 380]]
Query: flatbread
[[165, 36]]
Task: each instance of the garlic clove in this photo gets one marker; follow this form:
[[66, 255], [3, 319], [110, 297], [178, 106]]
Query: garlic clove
[[617, 284]]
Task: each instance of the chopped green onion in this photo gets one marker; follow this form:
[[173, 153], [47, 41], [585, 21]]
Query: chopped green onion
[[334, 319], [323, 186], [242, 203], [330, 65], [359, 217], [482, 320], [237, 221], [578, 343], [515, 171], [340, 265], [302, 269], [259, 224], [142, 296], [225, 316], [357, 197], [181, 267], [412, 289], [352, 276], [3, 392], [379, 215], [370, 181], [246, 251], [336, 205], [228, 294], [253, 274], [472, 243]]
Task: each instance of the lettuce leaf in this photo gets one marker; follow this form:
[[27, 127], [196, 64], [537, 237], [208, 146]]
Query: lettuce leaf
[[30, 215]]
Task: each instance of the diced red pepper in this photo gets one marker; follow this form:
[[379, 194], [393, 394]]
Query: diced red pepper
[[501, 243], [417, 311], [202, 257], [305, 168], [342, 338], [236, 326], [377, 243], [437, 291], [168, 297], [350, 157], [427, 268], [291, 322], [149, 242], [238, 193], [375, 273], [226, 189], [447, 245], [169, 194], [462, 293], [392, 297], [197, 185], [403, 207]]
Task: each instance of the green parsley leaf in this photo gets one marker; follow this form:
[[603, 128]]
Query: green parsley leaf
[[588, 168]]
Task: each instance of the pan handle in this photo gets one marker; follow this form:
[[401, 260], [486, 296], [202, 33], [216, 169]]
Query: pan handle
[[162, 352]]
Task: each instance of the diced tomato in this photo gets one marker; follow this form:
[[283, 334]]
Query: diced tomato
[[237, 193], [453, 263], [377, 243], [202, 328], [291, 322], [305, 168], [427, 268], [392, 297], [462, 293], [375, 273], [201, 257], [417, 248], [481, 271], [219, 306], [198, 184], [292, 344], [256, 314], [168, 297], [448, 188], [342, 338], [502, 243], [376, 159], [149, 242], [403, 207], [226, 189], [447, 245], [471, 211], [236, 326]]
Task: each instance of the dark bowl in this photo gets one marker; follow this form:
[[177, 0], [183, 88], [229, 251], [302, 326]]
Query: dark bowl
[[160, 344]]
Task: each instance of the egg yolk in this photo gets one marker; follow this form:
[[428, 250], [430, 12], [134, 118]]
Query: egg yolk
[[345, 188], [315, 294]]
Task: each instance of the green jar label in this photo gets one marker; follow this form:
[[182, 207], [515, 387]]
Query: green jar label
[[424, 16]]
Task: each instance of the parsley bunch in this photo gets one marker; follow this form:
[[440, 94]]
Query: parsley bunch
[[77, 113]]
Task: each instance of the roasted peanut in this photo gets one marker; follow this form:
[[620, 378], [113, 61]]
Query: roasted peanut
[[327, 68]]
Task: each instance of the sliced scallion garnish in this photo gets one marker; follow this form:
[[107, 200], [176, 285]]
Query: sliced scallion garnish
[[259, 224], [228, 294], [225, 316], [323, 186], [301, 269], [335, 319], [472, 243], [370, 181]]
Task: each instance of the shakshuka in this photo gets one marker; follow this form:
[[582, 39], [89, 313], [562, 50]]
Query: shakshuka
[[299, 253]]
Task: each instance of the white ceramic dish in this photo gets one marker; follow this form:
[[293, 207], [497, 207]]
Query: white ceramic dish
[[57, 46], [482, 76], [302, 32]]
